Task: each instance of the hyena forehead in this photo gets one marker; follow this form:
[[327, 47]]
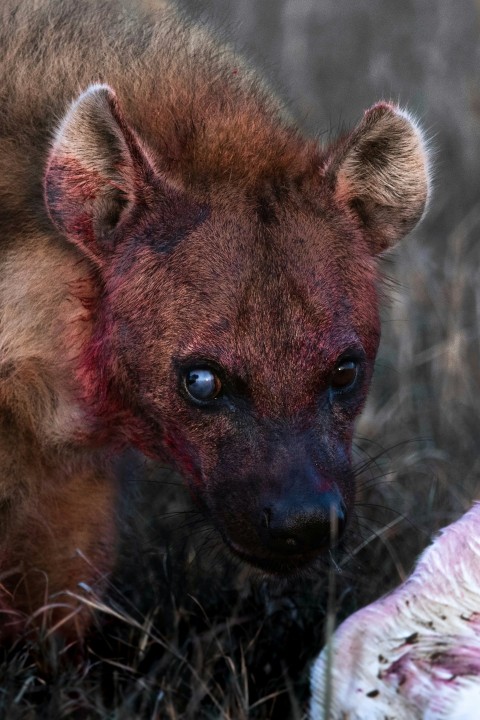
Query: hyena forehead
[[101, 174], [290, 278], [265, 305]]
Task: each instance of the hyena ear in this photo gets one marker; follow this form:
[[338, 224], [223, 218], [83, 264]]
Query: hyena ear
[[98, 170], [382, 172]]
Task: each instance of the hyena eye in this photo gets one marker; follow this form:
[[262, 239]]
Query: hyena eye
[[344, 376], [202, 384]]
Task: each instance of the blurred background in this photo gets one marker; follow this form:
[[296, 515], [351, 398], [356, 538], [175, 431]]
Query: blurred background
[[190, 635]]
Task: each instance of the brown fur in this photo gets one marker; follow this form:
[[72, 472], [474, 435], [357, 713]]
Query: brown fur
[[184, 218]]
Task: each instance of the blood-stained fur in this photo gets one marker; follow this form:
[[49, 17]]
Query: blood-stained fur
[[181, 271]]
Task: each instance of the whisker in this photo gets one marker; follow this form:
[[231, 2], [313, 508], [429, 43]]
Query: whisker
[[401, 515]]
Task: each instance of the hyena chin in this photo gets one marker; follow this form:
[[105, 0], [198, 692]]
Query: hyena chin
[[183, 272]]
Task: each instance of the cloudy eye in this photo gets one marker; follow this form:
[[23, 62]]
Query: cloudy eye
[[344, 376], [202, 384]]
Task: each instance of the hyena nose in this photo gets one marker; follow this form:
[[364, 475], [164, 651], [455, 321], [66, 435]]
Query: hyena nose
[[290, 529]]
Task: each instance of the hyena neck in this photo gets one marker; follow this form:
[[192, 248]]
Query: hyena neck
[[59, 377], [46, 298]]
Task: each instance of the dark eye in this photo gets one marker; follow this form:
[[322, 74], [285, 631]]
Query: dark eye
[[202, 384], [344, 375]]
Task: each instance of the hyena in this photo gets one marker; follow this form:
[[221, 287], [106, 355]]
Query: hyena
[[185, 273]]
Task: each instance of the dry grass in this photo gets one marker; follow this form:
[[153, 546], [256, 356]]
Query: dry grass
[[186, 634]]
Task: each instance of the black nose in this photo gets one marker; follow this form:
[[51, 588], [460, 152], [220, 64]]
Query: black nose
[[317, 523]]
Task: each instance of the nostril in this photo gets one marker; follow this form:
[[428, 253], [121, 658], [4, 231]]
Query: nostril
[[312, 527]]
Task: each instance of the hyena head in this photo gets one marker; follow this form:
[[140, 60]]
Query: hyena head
[[236, 324]]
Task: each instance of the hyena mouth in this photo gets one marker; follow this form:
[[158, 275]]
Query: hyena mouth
[[274, 564]]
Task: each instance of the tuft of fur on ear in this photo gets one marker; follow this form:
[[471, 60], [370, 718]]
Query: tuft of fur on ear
[[97, 170], [381, 170]]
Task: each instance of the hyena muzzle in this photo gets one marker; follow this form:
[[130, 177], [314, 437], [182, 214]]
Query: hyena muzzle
[[183, 272]]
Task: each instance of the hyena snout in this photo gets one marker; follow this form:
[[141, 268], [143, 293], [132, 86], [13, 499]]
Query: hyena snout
[[311, 524]]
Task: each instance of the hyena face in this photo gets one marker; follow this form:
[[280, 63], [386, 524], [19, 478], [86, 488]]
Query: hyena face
[[236, 328]]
